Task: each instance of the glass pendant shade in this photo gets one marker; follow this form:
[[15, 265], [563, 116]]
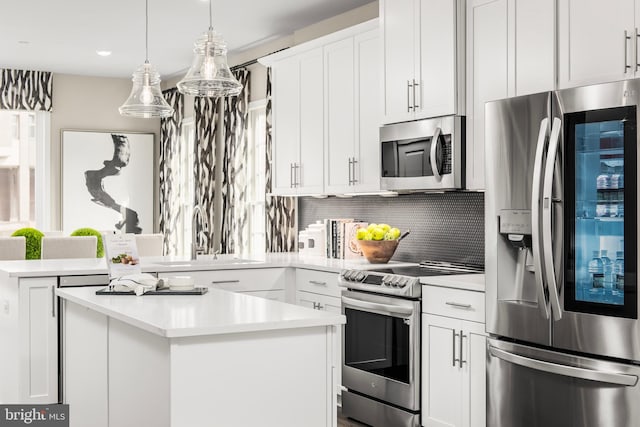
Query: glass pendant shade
[[146, 100], [209, 74]]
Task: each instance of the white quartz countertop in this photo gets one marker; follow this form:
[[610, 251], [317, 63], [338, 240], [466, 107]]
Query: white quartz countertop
[[214, 313], [96, 266], [470, 282]]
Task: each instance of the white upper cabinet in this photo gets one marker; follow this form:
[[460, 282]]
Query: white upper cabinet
[[598, 41], [298, 124], [510, 52], [326, 114], [352, 110], [423, 45]]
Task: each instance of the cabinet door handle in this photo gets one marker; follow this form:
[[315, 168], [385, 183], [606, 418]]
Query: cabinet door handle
[[415, 104], [218, 282], [53, 301], [290, 175], [296, 175], [409, 106], [636, 49], [462, 336], [458, 305], [626, 52], [350, 163], [317, 282], [453, 351], [353, 166]]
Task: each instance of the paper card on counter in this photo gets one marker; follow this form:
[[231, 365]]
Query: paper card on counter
[[121, 253]]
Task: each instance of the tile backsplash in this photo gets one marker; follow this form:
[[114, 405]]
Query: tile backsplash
[[444, 226]]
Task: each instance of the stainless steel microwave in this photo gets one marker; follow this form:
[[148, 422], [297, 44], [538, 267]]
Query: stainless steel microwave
[[423, 155]]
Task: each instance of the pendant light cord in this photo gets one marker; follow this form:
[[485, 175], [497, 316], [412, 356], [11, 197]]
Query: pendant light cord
[[210, 17], [146, 32]]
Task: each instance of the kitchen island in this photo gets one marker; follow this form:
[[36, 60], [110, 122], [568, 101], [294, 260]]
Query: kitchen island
[[218, 359]]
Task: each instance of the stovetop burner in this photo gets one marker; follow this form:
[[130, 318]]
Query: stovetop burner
[[432, 268]]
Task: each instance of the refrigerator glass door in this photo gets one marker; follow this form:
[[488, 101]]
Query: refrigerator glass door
[[600, 215], [532, 387], [597, 286]]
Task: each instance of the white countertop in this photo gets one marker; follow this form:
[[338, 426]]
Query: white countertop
[[214, 313], [471, 282], [91, 266]]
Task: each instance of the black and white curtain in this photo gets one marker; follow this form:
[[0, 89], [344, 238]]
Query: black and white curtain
[[206, 112], [170, 134], [281, 215], [26, 90], [234, 215]]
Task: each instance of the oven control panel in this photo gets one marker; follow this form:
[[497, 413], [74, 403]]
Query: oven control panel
[[379, 282]]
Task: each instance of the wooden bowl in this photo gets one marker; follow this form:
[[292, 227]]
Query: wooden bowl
[[378, 251]]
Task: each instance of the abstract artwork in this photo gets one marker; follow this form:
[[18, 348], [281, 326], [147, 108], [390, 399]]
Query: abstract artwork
[[107, 181]]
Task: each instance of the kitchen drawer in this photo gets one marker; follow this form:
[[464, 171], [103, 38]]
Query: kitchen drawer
[[319, 302], [456, 303], [318, 282], [258, 279]]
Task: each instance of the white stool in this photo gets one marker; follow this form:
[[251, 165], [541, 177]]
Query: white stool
[[69, 247]]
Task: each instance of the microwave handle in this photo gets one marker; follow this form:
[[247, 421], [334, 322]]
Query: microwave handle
[[432, 156]]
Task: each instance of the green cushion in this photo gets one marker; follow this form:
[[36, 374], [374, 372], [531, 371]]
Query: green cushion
[[33, 239], [91, 232]]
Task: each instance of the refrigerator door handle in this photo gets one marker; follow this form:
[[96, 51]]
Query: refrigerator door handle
[[547, 214], [568, 371], [535, 219]]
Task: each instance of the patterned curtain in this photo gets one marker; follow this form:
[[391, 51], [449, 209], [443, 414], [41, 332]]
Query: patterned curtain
[[170, 133], [234, 224], [281, 215], [25, 90], [206, 119]]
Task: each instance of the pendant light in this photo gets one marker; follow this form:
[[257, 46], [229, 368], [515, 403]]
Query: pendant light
[[146, 100], [209, 74]]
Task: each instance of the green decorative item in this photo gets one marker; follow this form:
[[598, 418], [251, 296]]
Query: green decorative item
[[33, 239], [91, 232]]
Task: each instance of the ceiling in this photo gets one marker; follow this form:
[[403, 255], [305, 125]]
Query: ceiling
[[63, 35]]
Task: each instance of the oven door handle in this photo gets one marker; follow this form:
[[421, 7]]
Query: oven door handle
[[378, 307]]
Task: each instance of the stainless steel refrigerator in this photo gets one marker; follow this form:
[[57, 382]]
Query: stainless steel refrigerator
[[561, 258]]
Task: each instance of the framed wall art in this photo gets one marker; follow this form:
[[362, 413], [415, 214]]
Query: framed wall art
[[107, 181]]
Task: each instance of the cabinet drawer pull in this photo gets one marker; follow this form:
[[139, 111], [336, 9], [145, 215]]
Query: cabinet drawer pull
[[457, 304], [217, 282], [316, 282]]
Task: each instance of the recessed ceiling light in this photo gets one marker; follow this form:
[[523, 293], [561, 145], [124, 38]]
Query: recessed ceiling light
[[103, 52]]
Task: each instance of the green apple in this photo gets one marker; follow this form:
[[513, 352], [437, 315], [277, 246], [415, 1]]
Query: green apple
[[368, 236], [385, 227], [361, 233], [392, 234], [378, 233], [371, 227]]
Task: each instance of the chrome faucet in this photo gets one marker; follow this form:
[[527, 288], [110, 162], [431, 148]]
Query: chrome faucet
[[197, 236]]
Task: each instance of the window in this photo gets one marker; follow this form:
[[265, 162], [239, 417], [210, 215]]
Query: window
[[19, 156], [256, 176]]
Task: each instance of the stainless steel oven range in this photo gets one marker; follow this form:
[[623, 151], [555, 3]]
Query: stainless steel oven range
[[381, 343]]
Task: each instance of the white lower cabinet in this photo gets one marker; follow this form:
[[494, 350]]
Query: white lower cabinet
[[38, 340], [319, 290], [453, 365], [29, 340]]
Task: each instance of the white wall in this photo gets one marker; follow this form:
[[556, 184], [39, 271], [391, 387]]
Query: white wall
[[90, 103]]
